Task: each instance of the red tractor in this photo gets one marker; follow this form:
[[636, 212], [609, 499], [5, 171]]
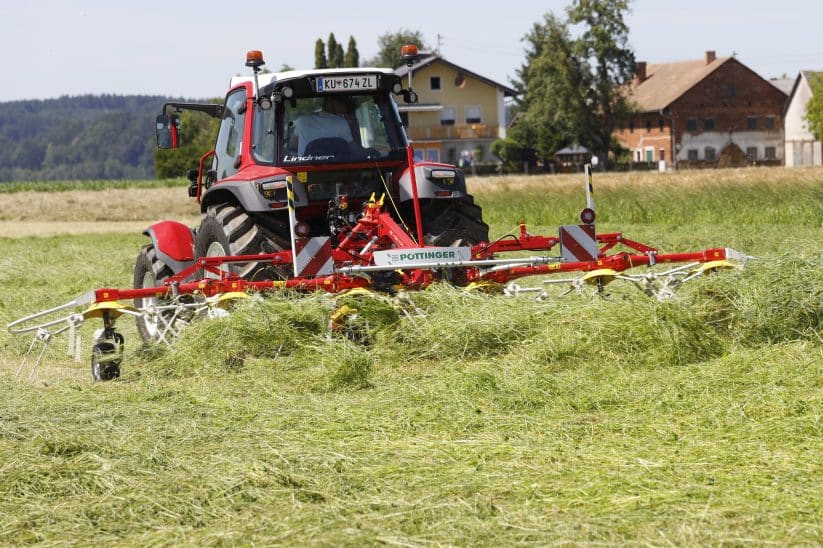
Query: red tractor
[[337, 133]]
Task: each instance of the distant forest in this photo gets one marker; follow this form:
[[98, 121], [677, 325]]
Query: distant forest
[[83, 137]]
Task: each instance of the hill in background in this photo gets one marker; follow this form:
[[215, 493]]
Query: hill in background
[[83, 137]]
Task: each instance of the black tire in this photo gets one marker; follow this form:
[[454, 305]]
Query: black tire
[[226, 229], [454, 223], [105, 366], [149, 271]]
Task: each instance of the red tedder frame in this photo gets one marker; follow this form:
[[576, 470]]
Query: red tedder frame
[[377, 230]]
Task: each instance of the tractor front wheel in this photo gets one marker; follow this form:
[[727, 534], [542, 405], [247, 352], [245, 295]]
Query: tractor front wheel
[[227, 230]]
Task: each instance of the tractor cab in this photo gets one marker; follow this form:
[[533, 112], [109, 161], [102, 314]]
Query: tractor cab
[[339, 116]]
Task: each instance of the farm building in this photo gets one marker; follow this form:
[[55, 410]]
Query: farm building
[[459, 113], [801, 147], [713, 112]]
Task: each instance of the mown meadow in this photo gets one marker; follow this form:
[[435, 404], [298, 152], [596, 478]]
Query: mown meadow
[[476, 419]]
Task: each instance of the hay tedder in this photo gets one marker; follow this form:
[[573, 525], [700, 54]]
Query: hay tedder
[[312, 186]]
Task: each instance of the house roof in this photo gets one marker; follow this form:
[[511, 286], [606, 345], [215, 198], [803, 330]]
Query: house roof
[[783, 84], [574, 149], [665, 82], [426, 60], [806, 75]]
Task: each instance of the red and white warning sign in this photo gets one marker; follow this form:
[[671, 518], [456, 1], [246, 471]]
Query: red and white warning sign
[[312, 257], [578, 243]]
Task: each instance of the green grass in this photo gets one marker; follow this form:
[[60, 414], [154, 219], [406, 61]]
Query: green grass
[[486, 421], [61, 186]]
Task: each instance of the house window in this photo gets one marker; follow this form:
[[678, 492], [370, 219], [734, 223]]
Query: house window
[[648, 126], [447, 116], [434, 82], [751, 154], [660, 124], [691, 124], [692, 154], [730, 90], [771, 153], [661, 153], [751, 122], [473, 115], [631, 126], [636, 155], [708, 124], [770, 122], [709, 154], [433, 154], [650, 155]]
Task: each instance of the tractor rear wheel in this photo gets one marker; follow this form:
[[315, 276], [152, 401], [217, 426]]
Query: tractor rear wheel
[[226, 229], [454, 223], [149, 271]]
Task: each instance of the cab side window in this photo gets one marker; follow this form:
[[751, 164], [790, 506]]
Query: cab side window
[[230, 138]]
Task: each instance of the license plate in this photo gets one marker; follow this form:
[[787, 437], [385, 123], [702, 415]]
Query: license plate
[[329, 84]]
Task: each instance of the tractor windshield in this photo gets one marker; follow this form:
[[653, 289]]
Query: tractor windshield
[[338, 128]]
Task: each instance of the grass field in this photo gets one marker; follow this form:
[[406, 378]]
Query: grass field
[[487, 421]]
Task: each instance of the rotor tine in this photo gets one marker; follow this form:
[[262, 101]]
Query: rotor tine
[[26, 356], [46, 340]]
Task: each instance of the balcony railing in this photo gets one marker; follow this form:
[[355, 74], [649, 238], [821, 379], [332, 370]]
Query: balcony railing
[[468, 131]]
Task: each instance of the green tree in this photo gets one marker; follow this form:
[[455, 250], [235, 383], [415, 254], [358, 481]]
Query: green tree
[[352, 57], [390, 43], [508, 150], [814, 108], [335, 52], [573, 87], [550, 113], [320, 61]]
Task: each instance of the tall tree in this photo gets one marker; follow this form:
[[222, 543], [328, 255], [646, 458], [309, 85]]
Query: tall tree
[[320, 61], [335, 52], [574, 86], [390, 43], [352, 57], [550, 113], [814, 108]]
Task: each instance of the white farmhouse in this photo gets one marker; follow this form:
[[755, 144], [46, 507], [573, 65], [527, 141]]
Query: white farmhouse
[[801, 147]]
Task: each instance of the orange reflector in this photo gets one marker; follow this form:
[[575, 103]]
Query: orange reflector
[[302, 229]]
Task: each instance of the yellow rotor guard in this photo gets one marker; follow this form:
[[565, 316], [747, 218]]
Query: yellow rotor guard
[[115, 308], [604, 275]]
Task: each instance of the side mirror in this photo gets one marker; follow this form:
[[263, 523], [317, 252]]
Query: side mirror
[[167, 130]]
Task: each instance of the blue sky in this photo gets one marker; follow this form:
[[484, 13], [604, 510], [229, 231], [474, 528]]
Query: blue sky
[[191, 48]]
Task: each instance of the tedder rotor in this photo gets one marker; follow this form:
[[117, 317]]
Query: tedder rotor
[[286, 208]]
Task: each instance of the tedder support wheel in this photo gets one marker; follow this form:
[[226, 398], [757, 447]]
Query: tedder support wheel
[[454, 223], [105, 361], [226, 229], [149, 271]]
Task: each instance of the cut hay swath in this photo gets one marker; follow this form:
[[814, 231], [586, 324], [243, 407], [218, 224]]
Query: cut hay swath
[[375, 255]]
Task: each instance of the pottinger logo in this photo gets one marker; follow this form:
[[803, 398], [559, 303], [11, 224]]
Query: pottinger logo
[[421, 256]]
